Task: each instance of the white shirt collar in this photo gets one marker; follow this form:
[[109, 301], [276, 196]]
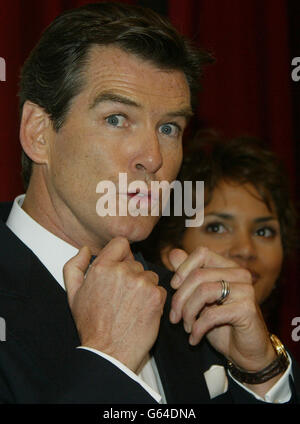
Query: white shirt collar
[[52, 251]]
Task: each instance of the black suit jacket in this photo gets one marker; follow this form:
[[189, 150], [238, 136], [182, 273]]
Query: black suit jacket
[[39, 362]]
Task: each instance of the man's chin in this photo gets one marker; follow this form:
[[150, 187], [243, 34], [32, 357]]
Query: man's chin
[[134, 228]]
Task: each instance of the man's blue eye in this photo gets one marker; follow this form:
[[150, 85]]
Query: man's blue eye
[[166, 129], [115, 120], [169, 129]]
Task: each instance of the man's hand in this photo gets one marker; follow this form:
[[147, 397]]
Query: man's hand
[[235, 328], [117, 305]]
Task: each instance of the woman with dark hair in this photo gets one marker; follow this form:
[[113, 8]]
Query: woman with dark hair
[[248, 215]]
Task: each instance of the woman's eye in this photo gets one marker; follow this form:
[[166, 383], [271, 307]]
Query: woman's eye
[[171, 130], [216, 228], [116, 120], [266, 232]]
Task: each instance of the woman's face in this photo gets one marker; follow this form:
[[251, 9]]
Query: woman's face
[[239, 225]]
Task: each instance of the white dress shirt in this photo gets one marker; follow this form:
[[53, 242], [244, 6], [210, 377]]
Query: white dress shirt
[[54, 252]]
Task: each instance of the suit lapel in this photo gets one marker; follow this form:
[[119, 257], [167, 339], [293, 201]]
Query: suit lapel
[[180, 366], [45, 301], [55, 315]]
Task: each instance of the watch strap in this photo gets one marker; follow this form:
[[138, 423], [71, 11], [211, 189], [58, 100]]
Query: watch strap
[[276, 367]]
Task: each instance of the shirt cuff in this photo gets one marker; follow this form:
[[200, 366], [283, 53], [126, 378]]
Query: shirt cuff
[[126, 370], [279, 393]]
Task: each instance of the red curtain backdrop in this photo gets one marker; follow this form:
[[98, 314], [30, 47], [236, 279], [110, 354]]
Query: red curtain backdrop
[[247, 91]]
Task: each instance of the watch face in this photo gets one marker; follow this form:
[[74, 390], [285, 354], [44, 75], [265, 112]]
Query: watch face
[[280, 350]]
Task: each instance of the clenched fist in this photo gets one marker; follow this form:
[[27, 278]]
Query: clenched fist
[[116, 304]]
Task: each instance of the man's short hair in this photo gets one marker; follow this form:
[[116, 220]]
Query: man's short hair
[[53, 74]]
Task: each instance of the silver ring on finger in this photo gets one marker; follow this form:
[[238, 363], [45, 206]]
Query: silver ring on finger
[[225, 292]]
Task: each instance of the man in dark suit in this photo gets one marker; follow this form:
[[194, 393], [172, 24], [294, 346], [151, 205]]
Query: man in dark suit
[[109, 90]]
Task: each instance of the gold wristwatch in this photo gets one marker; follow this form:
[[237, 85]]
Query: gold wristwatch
[[276, 367]]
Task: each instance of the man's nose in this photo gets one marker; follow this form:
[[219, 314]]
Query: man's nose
[[242, 248], [148, 156]]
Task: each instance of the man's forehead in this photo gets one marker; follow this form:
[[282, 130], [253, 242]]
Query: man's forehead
[[111, 67], [113, 55]]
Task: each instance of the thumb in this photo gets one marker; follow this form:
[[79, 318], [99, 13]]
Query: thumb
[[74, 271], [177, 257]]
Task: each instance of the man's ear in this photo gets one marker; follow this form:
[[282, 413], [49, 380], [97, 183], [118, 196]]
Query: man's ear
[[35, 124], [164, 256]]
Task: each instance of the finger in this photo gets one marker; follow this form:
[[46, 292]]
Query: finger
[[201, 257], [163, 294], [74, 271], [118, 249], [177, 257], [214, 316], [132, 266], [136, 267], [199, 276], [151, 276], [205, 294], [238, 310]]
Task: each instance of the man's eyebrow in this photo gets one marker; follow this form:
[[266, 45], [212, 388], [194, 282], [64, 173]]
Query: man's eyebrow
[[112, 97], [186, 112]]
